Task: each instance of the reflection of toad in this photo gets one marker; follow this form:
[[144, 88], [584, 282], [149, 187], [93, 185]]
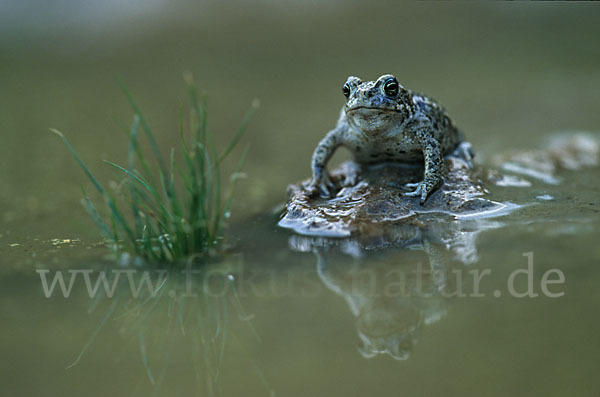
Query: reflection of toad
[[391, 288], [392, 326], [389, 303]]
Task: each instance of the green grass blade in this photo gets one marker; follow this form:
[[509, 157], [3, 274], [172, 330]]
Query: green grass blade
[[81, 163], [142, 182], [130, 164], [215, 198], [145, 127], [95, 215], [240, 131], [229, 197], [118, 217]]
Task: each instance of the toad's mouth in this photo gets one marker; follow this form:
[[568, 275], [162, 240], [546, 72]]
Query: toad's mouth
[[369, 109]]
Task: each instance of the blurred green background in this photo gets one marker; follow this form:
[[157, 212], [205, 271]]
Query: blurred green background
[[507, 74]]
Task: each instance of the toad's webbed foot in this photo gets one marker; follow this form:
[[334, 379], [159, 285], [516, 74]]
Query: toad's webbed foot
[[321, 187], [422, 189]]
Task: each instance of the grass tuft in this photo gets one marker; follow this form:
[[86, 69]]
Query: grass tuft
[[168, 211]]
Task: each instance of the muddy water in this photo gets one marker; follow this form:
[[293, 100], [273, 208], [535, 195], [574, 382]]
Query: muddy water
[[417, 312]]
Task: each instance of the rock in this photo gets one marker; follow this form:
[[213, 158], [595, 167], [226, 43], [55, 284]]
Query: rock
[[567, 151], [366, 200]]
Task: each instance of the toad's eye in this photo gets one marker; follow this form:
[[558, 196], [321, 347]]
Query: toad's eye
[[390, 87], [346, 90]]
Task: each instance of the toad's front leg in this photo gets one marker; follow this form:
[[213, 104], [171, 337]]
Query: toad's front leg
[[434, 165], [320, 183]]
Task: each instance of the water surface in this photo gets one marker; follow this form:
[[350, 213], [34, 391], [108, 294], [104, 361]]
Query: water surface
[[289, 315]]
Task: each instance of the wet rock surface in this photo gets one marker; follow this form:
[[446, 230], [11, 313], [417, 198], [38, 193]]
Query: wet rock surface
[[366, 200], [560, 152]]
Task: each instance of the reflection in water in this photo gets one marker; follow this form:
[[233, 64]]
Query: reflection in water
[[388, 289], [391, 294], [171, 310]]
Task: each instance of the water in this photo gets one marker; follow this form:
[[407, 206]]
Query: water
[[288, 315]]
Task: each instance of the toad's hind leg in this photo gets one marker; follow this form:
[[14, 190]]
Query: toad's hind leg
[[465, 152]]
